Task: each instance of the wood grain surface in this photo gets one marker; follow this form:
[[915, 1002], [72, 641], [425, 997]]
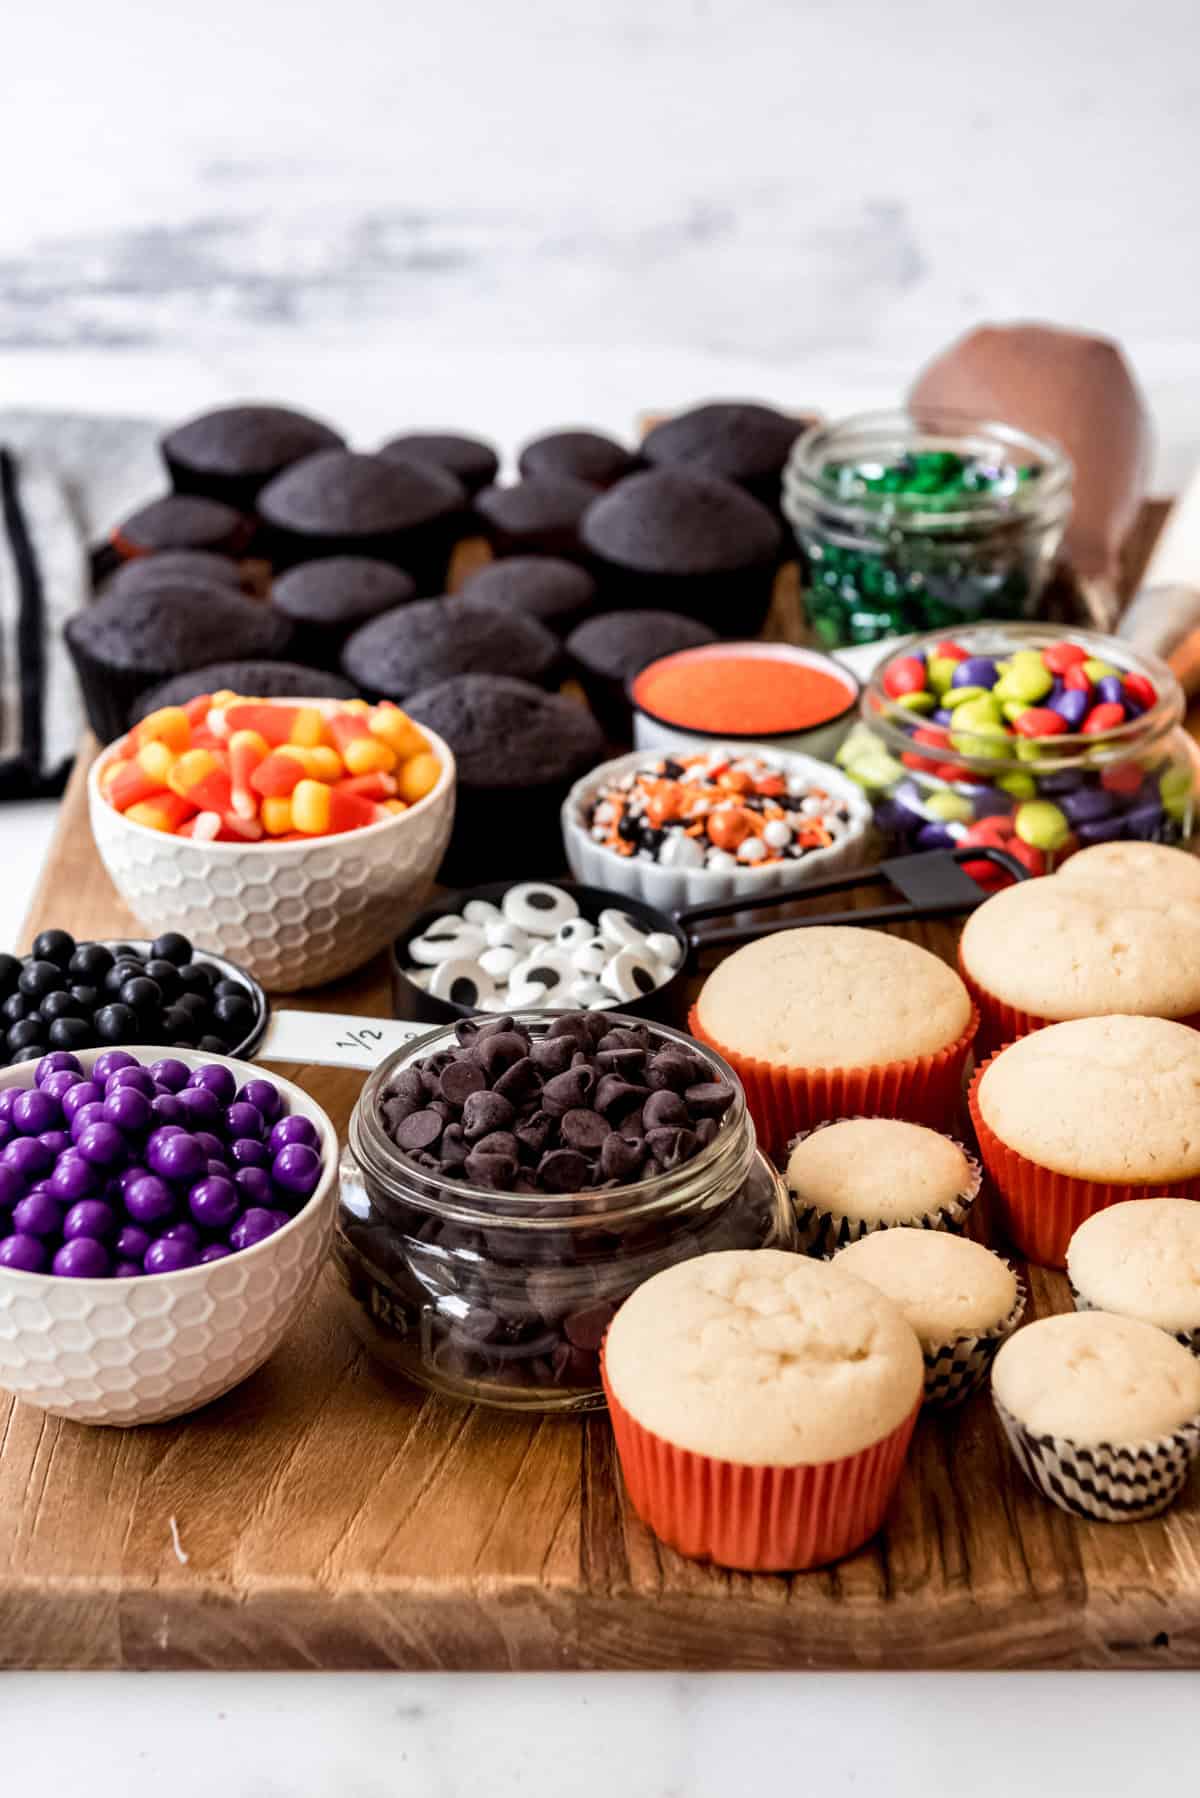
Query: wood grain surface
[[334, 1519]]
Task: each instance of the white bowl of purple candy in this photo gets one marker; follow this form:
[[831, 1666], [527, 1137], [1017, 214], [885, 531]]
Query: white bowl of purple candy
[[163, 1217]]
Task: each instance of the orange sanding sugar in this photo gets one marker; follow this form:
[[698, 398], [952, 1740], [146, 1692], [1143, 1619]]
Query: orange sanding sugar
[[739, 695]]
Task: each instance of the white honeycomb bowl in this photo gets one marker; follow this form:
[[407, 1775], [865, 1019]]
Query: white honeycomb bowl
[[291, 914], [145, 1349]]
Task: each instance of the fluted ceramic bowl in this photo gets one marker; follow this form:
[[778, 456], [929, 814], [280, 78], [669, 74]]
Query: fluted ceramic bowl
[[291, 914], [154, 1346]]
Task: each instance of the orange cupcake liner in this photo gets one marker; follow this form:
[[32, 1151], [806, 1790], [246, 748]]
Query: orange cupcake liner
[[1000, 1024], [757, 1519], [786, 1100], [1041, 1210]]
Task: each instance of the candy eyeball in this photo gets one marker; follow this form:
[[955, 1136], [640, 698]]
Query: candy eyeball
[[573, 934], [449, 939], [503, 935], [618, 928], [462, 981], [538, 908]]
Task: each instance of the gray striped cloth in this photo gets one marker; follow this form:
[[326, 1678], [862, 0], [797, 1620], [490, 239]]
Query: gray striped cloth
[[65, 481]]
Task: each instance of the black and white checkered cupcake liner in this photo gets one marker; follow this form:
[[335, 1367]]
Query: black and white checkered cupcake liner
[[954, 1370], [1105, 1482], [1189, 1338], [822, 1233]]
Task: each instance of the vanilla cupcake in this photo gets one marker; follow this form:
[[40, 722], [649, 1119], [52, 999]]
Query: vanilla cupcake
[[1102, 1412], [833, 1022], [762, 1405], [961, 1299], [857, 1175], [1083, 1115], [1142, 1259], [1083, 945]]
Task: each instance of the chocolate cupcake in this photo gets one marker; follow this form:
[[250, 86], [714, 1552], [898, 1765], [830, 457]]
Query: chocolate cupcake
[[474, 463], [231, 453], [678, 542], [255, 680], [535, 518], [735, 439], [182, 521], [340, 503], [518, 750], [324, 601], [558, 594], [417, 645], [604, 654], [174, 565], [577, 456], [129, 642]]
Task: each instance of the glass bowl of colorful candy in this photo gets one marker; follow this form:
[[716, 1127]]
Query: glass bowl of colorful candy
[[1023, 738], [914, 523], [283, 834], [162, 1220]]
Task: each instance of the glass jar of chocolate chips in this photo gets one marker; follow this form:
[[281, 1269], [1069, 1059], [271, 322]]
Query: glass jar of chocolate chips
[[509, 1181]]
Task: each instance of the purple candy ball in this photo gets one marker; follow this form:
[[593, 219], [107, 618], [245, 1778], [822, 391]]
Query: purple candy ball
[[149, 1200], [91, 1217], [127, 1269], [281, 1218], [176, 1157], [297, 1168], [140, 1078], [214, 1203], [34, 1112], [59, 1061], [108, 1061], [102, 1143], [246, 1152], [201, 1108], [56, 1086], [27, 1156], [184, 1231], [132, 1243], [264, 1096], [170, 1073], [215, 1079], [129, 1109], [57, 1141], [84, 1092], [975, 671], [12, 1186], [6, 1131], [38, 1215], [169, 1255], [86, 1115], [244, 1119], [212, 1145], [167, 1110], [254, 1185], [218, 1169], [82, 1259], [293, 1130], [254, 1226], [26, 1253], [73, 1178], [216, 1251], [8, 1098]]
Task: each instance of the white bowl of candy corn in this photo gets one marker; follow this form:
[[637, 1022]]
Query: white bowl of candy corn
[[287, 835]]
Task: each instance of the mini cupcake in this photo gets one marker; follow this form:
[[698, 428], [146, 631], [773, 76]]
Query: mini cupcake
[[579, 456], [1083, 1115], [1141, 1259], [1102, 1412], [128, 642], [679, 542], [834, 1022], [1044, 951], [558, 594], [231, 453], [735, 439], [1176, 871], [324, 601], [173, 565], [418, 645], [339, 503], [534, 518], [606, 652], [472, 463], [856, 1176], [261, 680], [518, 751], [961, 1299], [762, 1406], [182, 521]]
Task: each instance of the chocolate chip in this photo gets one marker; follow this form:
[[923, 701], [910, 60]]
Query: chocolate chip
[[615, 1096], [621, 1159], [495, 1053], [629, 1062], [709, 1099], [453, 1146], [572, 1023], [671, 1069], [534, 1132], [396, 1109], [494, 1026], [567, 1090], [420, 1130], [664, 1107], [706, 1130], [584, 1130], [458, 1081], [670, 1147], [485, 1112], [552, 1054], [562, 1170], [519, 1082], [408, 1086], [498, 1142], [620, 1037], [496, 1171]]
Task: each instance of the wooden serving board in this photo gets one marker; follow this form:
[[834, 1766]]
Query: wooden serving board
[[334, 1519]]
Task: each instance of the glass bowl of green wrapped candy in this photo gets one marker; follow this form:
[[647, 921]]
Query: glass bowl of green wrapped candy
[[918, 522]]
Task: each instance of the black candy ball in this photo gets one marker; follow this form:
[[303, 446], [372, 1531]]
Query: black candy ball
[[57, 946], [88, 997], [70, 1033], [29, 1034], [179, 1027], [10, 973], [116, 1024], [194, 979], [60, 1005], [39, 978], [234, 1015], [165, 975], [122, 970], [16, 1007], [90, 963], [171, 947], [142, 995], [211, 1045]]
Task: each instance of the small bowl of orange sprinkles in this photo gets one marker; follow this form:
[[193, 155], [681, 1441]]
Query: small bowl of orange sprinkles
[[684, 828]]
